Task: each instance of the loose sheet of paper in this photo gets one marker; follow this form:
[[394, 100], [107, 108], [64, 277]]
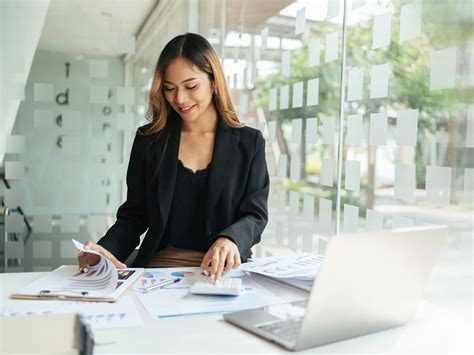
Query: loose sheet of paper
[[300, 265], [98, 315], [175, 300]]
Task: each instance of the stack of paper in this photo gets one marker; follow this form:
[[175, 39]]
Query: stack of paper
[[103, 282], [298, 270]]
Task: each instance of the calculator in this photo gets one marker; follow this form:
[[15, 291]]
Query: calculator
[[227, 286]]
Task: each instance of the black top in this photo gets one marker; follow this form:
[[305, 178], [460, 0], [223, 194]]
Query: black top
[[186, 226], [237, 195]]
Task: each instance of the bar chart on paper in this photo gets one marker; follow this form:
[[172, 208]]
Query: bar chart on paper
[[176, 301], [150, 278], [98, 315]]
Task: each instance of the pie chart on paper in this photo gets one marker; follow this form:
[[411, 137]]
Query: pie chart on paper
[[182, 273]]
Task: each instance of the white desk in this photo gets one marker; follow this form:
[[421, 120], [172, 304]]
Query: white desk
[[436, 329]]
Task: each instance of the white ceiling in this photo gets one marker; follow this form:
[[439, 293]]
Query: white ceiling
[[93, 27]]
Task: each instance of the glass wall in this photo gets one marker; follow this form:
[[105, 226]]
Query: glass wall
[[366, 106]]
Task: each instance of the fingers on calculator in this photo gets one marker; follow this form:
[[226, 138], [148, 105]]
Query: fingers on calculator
[[226, 286]]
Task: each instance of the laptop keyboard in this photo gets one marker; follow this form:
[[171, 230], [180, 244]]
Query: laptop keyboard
[[286, 329]]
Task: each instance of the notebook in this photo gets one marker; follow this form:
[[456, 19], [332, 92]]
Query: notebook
[[104, 282]]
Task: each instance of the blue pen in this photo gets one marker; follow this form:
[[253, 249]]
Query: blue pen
[[161, 284]]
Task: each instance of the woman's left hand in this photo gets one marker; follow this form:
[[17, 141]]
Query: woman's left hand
[[223, 255]]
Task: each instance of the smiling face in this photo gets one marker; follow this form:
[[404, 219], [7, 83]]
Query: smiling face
[[188, 90]]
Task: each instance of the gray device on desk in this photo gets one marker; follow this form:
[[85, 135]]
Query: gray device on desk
[[367, 283]]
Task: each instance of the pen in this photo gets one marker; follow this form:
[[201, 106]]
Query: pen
[[161, 284]]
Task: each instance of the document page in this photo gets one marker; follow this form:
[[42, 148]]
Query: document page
[[102, 282], [99, 315], [67, 280], [298, 266], [175, 300]]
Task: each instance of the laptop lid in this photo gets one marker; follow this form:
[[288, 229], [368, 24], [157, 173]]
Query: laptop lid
[[369, 282]]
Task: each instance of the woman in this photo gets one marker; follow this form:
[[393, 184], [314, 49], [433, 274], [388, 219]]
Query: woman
[[197, 178]]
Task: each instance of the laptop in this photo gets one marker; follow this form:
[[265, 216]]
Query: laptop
[[367, 282]]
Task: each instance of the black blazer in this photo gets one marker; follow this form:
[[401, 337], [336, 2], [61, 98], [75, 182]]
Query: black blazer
[[237, 196]]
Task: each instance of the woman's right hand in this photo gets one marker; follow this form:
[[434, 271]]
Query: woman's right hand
[[86, 260]]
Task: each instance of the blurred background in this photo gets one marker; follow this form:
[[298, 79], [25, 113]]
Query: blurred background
[[366, 106]]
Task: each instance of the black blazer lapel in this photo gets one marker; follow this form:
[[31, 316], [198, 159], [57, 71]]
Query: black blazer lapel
[[225, 144], [167, 172]]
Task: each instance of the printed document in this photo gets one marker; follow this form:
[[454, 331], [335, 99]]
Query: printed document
[[175, 300]]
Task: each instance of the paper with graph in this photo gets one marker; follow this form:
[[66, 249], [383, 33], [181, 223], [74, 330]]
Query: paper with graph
[[297, 270], [103, 282]]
